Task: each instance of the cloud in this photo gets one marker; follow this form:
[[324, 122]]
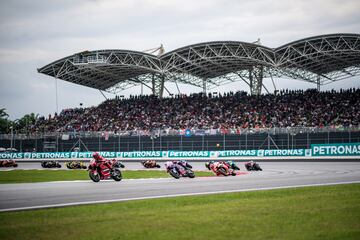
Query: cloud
[[35, 33]]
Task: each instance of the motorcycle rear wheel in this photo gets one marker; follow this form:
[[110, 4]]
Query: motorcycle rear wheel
[[222, 171], [116, 175], [94, 177]]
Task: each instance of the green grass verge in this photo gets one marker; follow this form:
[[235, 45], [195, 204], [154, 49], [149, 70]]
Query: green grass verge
[[331, 212], [27, 176]]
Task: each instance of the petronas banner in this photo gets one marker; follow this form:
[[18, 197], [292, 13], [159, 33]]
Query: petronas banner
[[341, 149], [316, 150]]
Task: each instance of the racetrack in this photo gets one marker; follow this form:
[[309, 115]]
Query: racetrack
[[128, 165], [275, 175]]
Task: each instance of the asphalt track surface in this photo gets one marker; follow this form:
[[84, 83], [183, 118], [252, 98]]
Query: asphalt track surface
[[275, 175]]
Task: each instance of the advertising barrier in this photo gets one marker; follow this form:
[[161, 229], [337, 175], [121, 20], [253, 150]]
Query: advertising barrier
[[316, 150], [338, 149]]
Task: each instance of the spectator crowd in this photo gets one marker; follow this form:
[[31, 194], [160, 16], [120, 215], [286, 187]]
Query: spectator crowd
[[238, 110]]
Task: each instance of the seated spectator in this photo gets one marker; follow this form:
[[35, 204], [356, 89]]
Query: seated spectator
[[227, 113]]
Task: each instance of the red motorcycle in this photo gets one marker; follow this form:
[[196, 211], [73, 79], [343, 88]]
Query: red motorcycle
[[105, 169], [8, 163], [150, 164], [220, 168]]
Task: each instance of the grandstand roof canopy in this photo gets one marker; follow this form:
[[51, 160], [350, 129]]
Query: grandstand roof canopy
[[320, 59]]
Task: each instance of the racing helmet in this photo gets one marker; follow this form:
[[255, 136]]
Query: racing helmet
[[96, 155], [207, 165]]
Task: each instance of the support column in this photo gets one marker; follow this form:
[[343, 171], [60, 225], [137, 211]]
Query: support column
[[318, 83], [204, 86], [256, 78], [56, 96], [158, 82], [161, 86], [153, 84]]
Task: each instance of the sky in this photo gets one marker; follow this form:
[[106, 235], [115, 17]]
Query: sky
[[34, 33]]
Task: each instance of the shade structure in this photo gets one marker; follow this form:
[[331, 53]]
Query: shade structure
[[319, 59]]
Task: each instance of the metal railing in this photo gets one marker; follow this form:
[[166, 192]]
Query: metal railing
[[161, 140], [189, 132]]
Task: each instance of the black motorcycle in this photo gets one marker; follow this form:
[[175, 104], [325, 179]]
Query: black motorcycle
[[50, 164], [253, 166], [179, 170]]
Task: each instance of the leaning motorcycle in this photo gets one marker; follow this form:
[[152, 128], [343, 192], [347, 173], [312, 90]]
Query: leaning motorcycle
[[8, 163], [225, 170], [150, 164], [253, 166], [181, 171], [50, 164], [104, 170], [75, 165], [220, 168]]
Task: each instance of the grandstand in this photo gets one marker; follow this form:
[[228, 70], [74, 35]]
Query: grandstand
[[230, 112], [286, 120]]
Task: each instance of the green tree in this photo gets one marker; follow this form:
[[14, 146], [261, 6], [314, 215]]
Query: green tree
[[23, 124], [5, 123]]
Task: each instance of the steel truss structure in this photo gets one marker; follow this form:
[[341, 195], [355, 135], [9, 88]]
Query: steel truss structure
[[320, 60]]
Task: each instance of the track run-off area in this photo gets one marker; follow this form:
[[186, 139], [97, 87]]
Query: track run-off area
[[275, 175]]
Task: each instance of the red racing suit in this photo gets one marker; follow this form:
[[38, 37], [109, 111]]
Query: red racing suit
[[102, 162], [214, 167]]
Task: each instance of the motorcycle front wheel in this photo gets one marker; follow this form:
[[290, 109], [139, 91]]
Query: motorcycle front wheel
[[174, 174], [191, 174]]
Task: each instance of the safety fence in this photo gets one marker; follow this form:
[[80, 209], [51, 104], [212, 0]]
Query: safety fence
[[292, 138]]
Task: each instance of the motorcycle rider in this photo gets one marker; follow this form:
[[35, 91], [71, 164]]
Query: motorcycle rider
[[176, 164], [207, 165], [211, 164], [149, 163], [232, 165], [169, 165], [250, 165], [215, 165], [100, 160], [183, 163]]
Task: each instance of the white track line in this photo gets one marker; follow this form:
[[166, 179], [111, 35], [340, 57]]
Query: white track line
[[105, 180], [171, 195]]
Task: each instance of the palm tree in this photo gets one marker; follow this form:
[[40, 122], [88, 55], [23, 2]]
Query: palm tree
[[4, 122], [26, 121], [3, 114]]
